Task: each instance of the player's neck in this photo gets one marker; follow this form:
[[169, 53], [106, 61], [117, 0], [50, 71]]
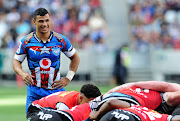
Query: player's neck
[[43, 36]]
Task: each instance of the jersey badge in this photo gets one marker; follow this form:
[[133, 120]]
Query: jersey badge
[[45, 50], [55, 50]]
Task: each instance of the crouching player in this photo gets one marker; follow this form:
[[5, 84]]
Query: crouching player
[[112, 111], [63, 101], [77, 113], [67, 99]]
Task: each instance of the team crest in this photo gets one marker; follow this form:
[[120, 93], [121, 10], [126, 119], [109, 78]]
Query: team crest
[[56, 51]]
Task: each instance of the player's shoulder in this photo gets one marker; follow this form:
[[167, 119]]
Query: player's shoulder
[[59, 36], [74, 92], [69, 92], [27, 37]]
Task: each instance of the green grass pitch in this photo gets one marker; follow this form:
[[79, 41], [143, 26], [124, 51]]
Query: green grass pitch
[[12, 101]]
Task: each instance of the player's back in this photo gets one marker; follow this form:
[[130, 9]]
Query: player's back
[[80, 112], [145, 97], [148, 114], [69, 98]]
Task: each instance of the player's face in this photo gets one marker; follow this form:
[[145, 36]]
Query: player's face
[[42, 23]]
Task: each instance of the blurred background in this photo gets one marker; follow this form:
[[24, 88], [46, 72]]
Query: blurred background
[[136, 39], [118, 42]]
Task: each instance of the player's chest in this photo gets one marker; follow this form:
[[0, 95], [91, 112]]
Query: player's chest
[[36, 51]]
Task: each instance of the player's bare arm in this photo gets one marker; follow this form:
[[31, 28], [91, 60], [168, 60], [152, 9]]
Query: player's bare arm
[[26, 77], [123, 86], [161, 86], [172, 98], [74, 62], [73, 68], [154, 85], [176, 118]]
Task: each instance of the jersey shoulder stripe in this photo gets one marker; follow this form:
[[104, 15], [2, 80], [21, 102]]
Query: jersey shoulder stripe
[[60, 39], [58, 36], [29, 36]]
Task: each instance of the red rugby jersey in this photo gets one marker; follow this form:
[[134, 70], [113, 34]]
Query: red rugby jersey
[[69, 98], [80, 112], [148, 114], [147, 98]]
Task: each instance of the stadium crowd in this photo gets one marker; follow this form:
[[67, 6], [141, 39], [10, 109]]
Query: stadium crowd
[[81, 21], [154, 23]]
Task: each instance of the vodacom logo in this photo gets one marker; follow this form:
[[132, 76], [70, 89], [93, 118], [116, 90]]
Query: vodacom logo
[[45, 63]]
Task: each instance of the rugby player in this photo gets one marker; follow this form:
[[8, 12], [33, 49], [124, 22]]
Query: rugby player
[[43, 49], [66, 99], [153, 99], [81, 112], [77, 113], [116, 112]]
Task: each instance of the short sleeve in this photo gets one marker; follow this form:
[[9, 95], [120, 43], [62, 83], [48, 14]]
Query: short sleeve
[[21, 53], [61, 106], [68, 50]]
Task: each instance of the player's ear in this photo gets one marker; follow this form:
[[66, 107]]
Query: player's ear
[[34, 21], [81, 98]]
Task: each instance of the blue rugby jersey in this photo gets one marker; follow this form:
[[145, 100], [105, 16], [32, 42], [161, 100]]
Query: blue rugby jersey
[[44, 58]]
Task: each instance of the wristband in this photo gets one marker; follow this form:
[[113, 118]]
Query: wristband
[[70, 75]]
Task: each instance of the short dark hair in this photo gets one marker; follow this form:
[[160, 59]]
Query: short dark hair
[[41, 12], [90, 91]]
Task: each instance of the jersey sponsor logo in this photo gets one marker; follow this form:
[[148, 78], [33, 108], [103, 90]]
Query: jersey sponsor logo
[[120, 115], [44, 72], [150, 113], [45, 63], [140, 91], [45, 50], [34, 50], [44, 116]]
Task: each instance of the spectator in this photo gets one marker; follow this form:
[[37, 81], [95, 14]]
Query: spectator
[[70, 18], [120, 65]]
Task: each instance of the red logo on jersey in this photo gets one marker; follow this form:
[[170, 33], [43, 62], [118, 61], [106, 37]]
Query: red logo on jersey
[[45, 63]]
